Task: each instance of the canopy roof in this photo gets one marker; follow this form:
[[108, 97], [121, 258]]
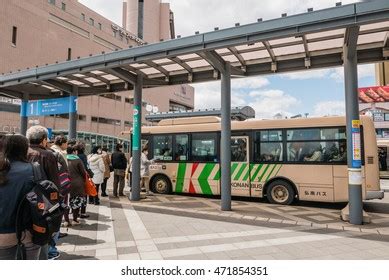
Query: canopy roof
[[311, 40]]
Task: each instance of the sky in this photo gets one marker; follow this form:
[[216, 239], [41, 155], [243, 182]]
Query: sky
[[317, 92]]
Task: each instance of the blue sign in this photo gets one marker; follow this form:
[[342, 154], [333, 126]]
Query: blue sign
[[50, 133], [46, 107]]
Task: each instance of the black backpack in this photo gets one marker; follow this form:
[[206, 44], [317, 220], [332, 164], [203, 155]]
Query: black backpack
[[40, 211]]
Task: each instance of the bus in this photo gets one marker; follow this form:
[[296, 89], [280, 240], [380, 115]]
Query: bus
[[383, 157], [282, 160]]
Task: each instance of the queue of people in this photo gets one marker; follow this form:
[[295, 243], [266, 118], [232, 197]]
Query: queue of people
[[65, 164]]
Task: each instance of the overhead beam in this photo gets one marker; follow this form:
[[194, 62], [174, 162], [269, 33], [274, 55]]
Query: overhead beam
[[218, 63], [82, 80], [158, 67], [58, 85], [235, 52], [132, 78], [98, 77], [269, 50]]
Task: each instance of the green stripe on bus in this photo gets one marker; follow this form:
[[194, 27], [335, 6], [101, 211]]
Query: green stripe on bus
[[242, 168], [278, 171], [263, 173], [180, 177], [217, 176], [234, 166], [246, 177], [203, 178], [271, 172], [254, 176]]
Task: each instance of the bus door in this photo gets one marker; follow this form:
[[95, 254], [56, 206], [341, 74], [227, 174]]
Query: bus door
[[240, 167]]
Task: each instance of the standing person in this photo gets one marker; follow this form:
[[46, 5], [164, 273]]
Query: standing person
[[16, 180], [59, 147], [80, 149], [38, 138], [144, 169], [96, 164], [107, 173], [119, 164], [78, 175]]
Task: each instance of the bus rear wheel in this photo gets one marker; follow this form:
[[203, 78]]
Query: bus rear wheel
[[161, 184], [280, 192]]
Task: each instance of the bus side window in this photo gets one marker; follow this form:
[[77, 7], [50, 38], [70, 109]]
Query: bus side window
[[162, 147], [204, 147], [181, 151]]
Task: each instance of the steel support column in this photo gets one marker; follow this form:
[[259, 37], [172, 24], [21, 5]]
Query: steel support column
[[73, 117], [225, 143], [136, 139], [353, 130], [23, 114]]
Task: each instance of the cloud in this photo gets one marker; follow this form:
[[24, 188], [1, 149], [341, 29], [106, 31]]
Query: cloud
[[207, 95], [268, 103], [329, 108], [364, 71], [337, 74], [249, 83], [307, 75]]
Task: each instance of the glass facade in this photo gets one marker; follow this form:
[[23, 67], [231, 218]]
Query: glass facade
[[92, 139]]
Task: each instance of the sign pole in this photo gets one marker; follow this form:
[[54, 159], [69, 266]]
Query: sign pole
[[73, 113], [136, 140], [24, 114], [225, 143], [354, 154]]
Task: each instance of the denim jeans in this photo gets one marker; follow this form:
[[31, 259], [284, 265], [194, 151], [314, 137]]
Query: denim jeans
[[52, 250]]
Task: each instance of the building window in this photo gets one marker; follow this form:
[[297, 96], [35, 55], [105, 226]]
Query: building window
[[52, 2], [91, 21], [14, 35], [63, 7], [100, 26], [83, 17], [69, 54]]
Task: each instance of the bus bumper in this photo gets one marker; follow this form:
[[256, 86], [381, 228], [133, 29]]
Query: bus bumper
[[374, 195]]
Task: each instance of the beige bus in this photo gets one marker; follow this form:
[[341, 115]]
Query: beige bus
[[383, 157], [282, 160]]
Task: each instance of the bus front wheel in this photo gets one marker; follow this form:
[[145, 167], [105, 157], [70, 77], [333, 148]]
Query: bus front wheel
[[280, 192], [161, 185]]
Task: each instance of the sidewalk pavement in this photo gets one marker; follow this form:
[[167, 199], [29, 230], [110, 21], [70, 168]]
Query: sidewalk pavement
[[186, 227]]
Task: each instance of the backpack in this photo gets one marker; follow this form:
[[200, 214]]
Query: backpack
[[64, 176], [40, 211]]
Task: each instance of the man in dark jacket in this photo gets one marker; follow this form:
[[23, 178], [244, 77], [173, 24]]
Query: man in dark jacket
[[38, 138], [119, 164]]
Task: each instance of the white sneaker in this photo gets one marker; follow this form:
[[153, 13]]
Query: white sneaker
[[65, 224]]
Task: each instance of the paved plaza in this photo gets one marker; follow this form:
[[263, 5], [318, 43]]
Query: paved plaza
[[180, 227]]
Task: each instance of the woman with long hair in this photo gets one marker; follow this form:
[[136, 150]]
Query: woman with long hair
[[16, 180]]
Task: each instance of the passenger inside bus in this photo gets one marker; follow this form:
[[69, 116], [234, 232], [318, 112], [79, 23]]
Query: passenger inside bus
[[315, 154]]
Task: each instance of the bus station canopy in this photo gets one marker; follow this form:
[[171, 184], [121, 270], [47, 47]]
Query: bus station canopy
[[311, 40]]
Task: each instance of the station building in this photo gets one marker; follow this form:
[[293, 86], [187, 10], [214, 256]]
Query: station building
[[40, 32]]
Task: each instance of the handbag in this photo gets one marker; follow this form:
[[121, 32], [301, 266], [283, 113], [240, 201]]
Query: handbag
[[90, 187], [110, 168]]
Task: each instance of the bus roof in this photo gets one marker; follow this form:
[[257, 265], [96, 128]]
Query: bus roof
[[208, 124]]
